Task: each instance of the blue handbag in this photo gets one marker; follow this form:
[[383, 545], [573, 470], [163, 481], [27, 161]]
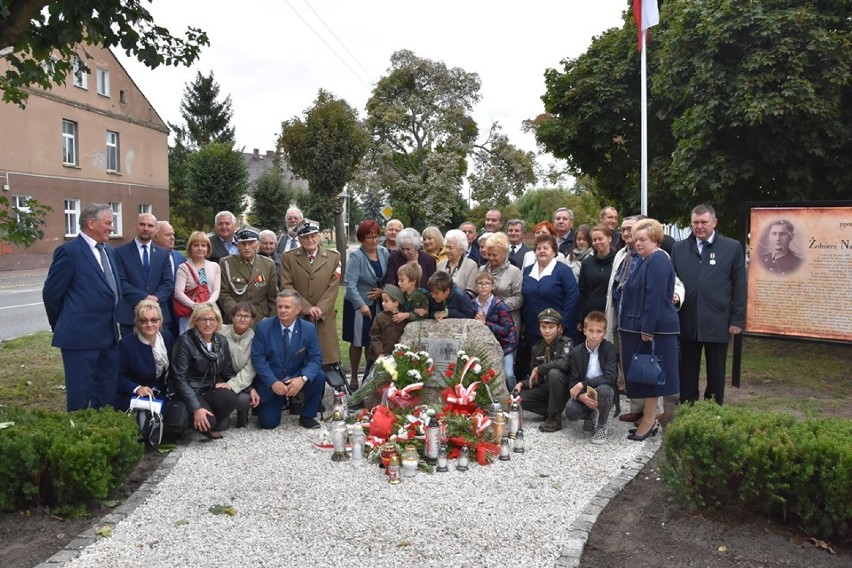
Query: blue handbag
[[645, 368]]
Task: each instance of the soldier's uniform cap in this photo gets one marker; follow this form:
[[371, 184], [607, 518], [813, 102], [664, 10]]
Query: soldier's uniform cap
[[550, 315], [307, 227], [246, 235]]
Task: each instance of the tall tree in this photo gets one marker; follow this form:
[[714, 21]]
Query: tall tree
[[324, 148], [207, 118], [272, 196], [217, 179], [420, 117], [762, 111], [60, 32]]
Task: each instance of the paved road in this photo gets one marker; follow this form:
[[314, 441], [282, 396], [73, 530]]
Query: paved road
[[21, 309]]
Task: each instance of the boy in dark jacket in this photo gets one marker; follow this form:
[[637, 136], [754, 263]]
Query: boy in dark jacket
[[545, 390], [592, 373], [385, 332], [446, 299]]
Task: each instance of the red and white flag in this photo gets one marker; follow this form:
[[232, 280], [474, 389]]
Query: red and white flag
[[647, 14]]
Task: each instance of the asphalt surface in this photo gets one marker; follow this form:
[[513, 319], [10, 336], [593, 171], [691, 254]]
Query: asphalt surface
[[21, 308]]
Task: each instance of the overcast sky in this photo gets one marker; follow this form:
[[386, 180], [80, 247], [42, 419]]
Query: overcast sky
[[268, 55]]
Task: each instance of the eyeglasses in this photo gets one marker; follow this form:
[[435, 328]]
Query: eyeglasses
[[373, 238], [242, 316], [146, 321], [484, 284], [207, 320], [626, 229]]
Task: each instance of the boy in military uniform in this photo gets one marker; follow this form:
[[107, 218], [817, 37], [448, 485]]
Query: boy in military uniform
[[248, 277], [546, 389]]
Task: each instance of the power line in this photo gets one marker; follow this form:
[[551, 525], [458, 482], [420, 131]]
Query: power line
[[352, 55], [326, 44]]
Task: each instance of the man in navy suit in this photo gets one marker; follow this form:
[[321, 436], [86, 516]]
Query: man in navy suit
[[288, 360], [563, 222], [165, 238], [517, 248], [145, 274], [81, 295]]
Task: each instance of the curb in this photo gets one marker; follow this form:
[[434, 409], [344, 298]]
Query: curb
[[578, 534], [73, 549]]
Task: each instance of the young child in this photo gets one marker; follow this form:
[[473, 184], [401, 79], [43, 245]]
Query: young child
[[592, 366], [416, 305], [447, 300], [385, 332], [494, 313], [545, 390]]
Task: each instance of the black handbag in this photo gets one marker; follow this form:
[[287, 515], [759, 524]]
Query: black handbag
[[150, 423], [645, 368], [175, 415]]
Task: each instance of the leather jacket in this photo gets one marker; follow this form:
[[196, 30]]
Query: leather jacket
[[194, 370]]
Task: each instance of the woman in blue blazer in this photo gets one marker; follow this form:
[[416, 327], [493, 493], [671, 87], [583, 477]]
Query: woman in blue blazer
[[364, 270], [647, 317], [143, 356]]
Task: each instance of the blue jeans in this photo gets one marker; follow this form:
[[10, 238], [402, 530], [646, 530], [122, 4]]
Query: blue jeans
[[509, 370]]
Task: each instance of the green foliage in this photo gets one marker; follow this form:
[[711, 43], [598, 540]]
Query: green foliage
[[324, 148], [539, 205], [52, 458], [60, 32], [22, 227], [218, 179], [729, 458], [272, 197], [207, 118], [761, 111]]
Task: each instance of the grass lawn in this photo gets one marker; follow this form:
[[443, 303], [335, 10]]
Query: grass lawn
[[806, 379]]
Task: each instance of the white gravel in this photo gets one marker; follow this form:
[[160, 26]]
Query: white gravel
[[295, 506]]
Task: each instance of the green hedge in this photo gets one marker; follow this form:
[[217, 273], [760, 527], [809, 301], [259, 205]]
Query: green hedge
[[773, 464], [59, 459]]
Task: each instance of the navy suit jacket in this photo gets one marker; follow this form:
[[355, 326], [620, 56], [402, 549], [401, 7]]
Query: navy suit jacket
[[80, 305], [136, 367], [178, 259], [270, 364], [518, 258], [135, 287]]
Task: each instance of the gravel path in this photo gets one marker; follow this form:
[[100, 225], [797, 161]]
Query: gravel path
[[295, 506]]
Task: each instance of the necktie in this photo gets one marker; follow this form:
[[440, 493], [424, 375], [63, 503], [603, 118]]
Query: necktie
[[311, 259], [146, 262], [107, 270], [285, 336], [513, 250], [702, 248]]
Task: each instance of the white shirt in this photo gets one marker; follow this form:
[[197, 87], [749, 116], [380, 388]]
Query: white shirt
[[538, 273], [594, 369], [91, 242]]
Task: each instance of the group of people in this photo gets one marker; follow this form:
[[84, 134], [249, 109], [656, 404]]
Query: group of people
[[263, 332]]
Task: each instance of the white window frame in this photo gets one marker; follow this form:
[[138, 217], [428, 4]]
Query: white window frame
[[146, 208], [72, 217], [116, 218], [102, 76], [113, 151], [19, 203], [81, 76], [69, 142]]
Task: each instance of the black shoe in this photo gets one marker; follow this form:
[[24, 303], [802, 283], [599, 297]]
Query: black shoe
[[308, 423], [242, 418], [295, 408], [552, 424], [652, 432]]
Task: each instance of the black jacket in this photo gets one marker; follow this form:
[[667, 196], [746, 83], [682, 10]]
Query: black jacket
[[579, 365], [193, 372]]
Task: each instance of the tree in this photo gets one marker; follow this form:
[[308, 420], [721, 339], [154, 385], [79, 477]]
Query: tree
[[420, 117], [762, 111], [207, 118], [38, 31], [22, 226], [324, 148], [272, 197], [218, 179]]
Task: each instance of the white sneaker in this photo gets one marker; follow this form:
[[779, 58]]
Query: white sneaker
[[599, 437], [589, 424]]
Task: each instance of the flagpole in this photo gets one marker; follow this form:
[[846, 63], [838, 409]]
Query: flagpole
[[644, 134]]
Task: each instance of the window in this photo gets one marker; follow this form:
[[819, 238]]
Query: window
[[20, 203], [69, 143], [103, 81], [112, 151], [122, 97], [116, 218], [81, 76], [146, 208], [72, 216]]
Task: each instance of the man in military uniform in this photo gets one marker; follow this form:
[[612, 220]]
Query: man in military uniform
[[248, 277], [311, 271], [546, 389], [780, 260]]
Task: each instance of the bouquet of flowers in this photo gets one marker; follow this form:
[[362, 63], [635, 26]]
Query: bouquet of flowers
[[469, 384], [398, 377]]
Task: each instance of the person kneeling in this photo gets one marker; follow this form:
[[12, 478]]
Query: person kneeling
[[287, 358], [545, 390], [592, 379]]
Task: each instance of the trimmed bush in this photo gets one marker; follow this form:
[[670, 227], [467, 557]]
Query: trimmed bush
[[59, 459], [798, 471]]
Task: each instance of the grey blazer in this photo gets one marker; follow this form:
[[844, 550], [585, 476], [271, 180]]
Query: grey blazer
[[360, 277]]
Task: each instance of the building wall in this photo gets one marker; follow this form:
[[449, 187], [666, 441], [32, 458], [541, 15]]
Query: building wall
[[32, 158]]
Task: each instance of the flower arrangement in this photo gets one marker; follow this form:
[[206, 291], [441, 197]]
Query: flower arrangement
[[397, 377], [470, 382]]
